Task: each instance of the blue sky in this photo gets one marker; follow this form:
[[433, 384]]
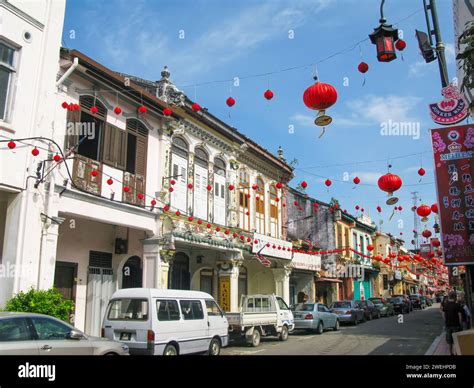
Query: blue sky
[[226, 39]]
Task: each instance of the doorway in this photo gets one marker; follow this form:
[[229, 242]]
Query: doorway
[[132, 274], [65, 275], [180, 278]]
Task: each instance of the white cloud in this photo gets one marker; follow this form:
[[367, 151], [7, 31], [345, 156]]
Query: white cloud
[[417, 69], [450, 53], [302, 120]]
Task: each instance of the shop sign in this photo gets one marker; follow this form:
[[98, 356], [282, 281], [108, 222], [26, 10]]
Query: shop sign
[[397, 275], [273, 247], [224, 292], [453, 108], [453, 149], [305, 261]]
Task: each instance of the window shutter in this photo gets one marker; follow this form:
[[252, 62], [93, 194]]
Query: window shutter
[[120, 148], [72, 134], [140, 160], [109, 145], [115, 146]]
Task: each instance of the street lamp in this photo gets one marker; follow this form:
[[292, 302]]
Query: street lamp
[[384, 37]]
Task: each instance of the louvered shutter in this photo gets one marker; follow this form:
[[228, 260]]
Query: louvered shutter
[[200, 192], [219, 200], [72, 133], [179, 195]]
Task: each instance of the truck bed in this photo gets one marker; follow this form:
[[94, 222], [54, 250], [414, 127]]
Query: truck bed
[[246, 319]]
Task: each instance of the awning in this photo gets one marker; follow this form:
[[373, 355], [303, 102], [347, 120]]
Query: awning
[[333, 280]]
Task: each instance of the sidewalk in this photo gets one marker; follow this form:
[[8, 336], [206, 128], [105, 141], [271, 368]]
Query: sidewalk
[[439, 347]]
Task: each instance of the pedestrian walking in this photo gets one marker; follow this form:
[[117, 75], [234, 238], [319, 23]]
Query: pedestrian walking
[[466, 313], [452, 315]]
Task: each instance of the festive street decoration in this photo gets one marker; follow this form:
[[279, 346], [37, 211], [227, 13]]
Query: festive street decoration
[[390, 183], [230, 102], [167, 112], [426, 233], [328, 182], [423, 211], [196, 107], [363, 67], [35, 151], [320, 96], [434, 208], [268, 94], [383, 38], [142, 109], [117, 110]]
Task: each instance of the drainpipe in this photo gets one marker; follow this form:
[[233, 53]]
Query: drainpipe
[[75, 63]]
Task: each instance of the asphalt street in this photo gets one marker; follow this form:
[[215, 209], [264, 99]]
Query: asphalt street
[[410, 334]]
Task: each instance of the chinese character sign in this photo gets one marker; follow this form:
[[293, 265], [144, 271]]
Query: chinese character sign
[[453, 149], [224, 297]]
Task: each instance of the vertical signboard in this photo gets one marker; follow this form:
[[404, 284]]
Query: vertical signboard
[[224, 292], [453, 149]]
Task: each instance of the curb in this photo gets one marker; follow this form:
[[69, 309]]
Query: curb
[[434, 345]]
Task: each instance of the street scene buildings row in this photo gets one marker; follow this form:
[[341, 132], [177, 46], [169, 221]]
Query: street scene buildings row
[[124, 193]]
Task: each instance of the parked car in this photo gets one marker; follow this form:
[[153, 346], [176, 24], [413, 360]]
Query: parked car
[[418, 301], [348, 311], [315, 316], [407, 301], [261, 315], [400, 305], [38, 334], [166, 322], [370, 311], [385, 308]]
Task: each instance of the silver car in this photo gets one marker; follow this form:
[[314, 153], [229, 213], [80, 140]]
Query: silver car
[[37, 334], [314, 316], [348, 311]]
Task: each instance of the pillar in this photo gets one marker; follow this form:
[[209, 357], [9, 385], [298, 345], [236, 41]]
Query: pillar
[[228, 278], [49, 246], [282, 282], [155, 264]]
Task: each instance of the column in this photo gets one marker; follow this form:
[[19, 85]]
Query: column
[[228, 296], [49, 246], [282, 282], [155, 264]]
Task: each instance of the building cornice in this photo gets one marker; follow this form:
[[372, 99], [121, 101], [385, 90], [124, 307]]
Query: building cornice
[[21, 14]]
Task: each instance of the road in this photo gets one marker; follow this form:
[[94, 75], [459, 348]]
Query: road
[[410, 334]]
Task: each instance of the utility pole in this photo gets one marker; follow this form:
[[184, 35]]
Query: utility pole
[[416, 221], [436, 32]]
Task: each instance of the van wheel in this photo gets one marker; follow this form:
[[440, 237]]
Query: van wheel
[[170, 350], [255, 341], [284, 333], [214, 347]]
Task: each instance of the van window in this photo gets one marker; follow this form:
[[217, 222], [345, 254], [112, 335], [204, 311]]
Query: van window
[[250, 303], [282, 304], [168, 310], [128, 309], [212, 308], [192, 309]]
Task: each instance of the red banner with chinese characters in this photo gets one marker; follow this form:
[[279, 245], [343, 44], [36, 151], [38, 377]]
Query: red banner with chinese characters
[[453, 149]]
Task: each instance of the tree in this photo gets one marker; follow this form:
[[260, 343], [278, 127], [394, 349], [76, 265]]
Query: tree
[[49, 302]]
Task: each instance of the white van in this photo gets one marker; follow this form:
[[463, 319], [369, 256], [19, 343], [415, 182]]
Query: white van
[[166, 322]]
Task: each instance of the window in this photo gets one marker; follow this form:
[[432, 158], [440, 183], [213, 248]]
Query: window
[[213, 309], [201, 161], [260, 207], [385, 282], [273, 211], [128, 309], [89, 135], [220, 209], [321, 308], [179, 172], [206, 281], [14, 329], [242, 290], [48, 329], [282, 304], [167, 310], [192, 309], [244, 203], [7, 69]]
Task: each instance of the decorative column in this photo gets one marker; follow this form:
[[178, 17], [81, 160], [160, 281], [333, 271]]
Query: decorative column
[[49, 246], [151, 263], [282, 282], [167, 257], [190, 193]]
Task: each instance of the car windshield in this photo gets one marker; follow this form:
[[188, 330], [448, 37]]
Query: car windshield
[[376, 300], [304, 307], [341, 305], [396, 300]]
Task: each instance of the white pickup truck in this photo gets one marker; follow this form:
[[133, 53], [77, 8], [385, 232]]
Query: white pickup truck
[[260, 315]]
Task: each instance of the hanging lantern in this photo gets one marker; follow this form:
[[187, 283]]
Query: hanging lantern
[[434, 208], [190, 186], [279, 185], [436, 243], [268, 94], [35, 151], [363, 67], [65, 105], [384, 37], [57, 158], [11, 144], [421, 171], [110, 181], [153, 202], [117, 110], [209, 187], [357, 207], [140, 196], [328, 182], [320, 96], [304, 184], [167, 112], [426, 233], [126, 189], [230, 102], [94, 173], [390, 183], [196, 107], [231, 187], [379, 209], [400, 45], [94, 109], [370, 247], [142, 109], [356, 180], [423, 211]]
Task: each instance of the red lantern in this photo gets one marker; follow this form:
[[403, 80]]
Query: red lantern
[[320, 96], [421, 171], [172, 182], [209, 187], [153, 202], [140, 196], [110, 181], [170, 189], [190, 219], [230, 101], [390, 183], [178, 213], [166, 208], [254, 187], [57, 158], [11, 144], [94, 173], [304, 185], [167, 112], [436, 243], [423, 211], [199, 222], [142, 109], [279, 185], [65, 105], [383, 37], [35, 151], [190, 186], [426, 233], [357, 207], [268, 94], [434, 208], [328, 182], [379, 209], [117, 110], [363, 67], [126, 189], [400, 45], [231, 187], [94, 109], [370, 247], [196, 107], [356, 180]]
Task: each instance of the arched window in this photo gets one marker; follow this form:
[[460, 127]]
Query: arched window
[[201, 164], [179, 173], [179, 277], [244, 199], [220, 210], [274, 211], [260, 207]]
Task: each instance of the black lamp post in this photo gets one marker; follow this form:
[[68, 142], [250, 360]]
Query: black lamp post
[[384, 37]]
